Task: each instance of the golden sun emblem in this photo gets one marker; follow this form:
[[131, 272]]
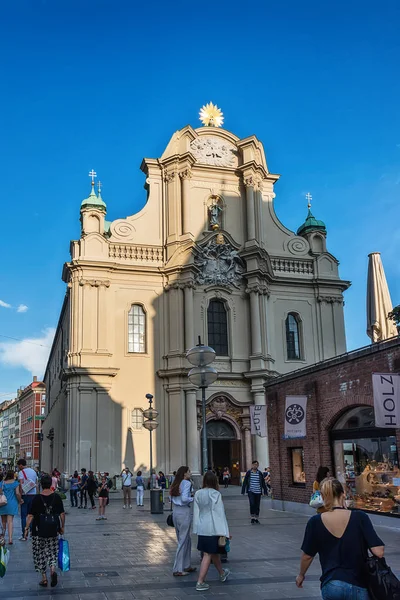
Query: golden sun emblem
[[211, 115]]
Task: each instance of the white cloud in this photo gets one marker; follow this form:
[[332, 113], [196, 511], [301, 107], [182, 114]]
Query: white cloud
[[30, 353], [22, 308], [4, 304]]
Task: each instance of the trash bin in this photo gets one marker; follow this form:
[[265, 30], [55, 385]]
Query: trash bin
[[156, 502]]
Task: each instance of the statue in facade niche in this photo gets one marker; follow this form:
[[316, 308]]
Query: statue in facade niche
[[215, 211]]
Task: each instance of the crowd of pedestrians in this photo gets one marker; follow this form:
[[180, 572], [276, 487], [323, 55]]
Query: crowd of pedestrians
[[340, 537]]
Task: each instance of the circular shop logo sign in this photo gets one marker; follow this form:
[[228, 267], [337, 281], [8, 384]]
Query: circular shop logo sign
[[294, 414]]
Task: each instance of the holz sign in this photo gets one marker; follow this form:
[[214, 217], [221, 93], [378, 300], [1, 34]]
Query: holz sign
[[386, 389]]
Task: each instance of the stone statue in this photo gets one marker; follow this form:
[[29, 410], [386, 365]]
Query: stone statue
[[215, 211]]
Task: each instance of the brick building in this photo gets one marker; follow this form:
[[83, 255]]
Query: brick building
[[32, 404], [340, 432]]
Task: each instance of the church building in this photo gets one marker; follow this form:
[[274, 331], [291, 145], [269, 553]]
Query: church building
[[206, 256]]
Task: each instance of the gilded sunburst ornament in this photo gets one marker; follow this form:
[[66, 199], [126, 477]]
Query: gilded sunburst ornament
[[211, 115]]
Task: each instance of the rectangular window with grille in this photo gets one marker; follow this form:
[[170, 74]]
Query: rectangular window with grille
[[137, 418], [217, 324], [136, 329]]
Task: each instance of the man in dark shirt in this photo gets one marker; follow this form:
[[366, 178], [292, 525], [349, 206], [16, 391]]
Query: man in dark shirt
[[254, 485], [83, 489]]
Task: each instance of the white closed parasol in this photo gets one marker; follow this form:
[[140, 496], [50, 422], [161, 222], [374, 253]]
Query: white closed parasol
[[379, 304]]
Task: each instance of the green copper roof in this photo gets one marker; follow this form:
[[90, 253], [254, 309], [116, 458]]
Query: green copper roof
[[311, 224], [94, 201]]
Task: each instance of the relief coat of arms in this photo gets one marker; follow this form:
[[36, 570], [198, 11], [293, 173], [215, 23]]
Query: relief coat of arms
[[219, 264]]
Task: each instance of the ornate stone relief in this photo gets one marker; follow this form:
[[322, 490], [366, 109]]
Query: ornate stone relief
[[211, 150], [297, 245], [219, 264], [331, 299], [121, 229], [258, 288], [221, 406], [94, 282]]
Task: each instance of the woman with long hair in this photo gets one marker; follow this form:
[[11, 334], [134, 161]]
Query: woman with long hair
[[342, 539], [45, 531], [181, 496], [103, 497], [209, 522], [9, 486], [322, 474]]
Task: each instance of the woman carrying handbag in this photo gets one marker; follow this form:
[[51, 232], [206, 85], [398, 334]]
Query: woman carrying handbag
[[10, 499], [342, 539]]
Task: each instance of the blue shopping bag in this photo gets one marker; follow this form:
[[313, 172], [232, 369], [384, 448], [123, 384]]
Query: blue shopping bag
[[63, 555]]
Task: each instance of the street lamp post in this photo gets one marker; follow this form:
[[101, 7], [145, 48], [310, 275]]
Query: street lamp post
[[202, 375], [150, 424]]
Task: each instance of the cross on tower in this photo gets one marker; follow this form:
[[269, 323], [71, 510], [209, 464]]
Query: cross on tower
[[92, 174], [308, 198], [99, 184]]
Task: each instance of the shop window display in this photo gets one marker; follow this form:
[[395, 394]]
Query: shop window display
[[366, 461], [297, 457]]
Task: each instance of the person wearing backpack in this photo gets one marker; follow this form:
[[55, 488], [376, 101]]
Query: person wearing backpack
[[47, 518]]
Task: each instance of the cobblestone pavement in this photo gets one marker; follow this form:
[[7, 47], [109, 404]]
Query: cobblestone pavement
[[131, 555]]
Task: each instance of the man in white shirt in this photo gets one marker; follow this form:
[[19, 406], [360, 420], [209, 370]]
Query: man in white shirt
[[28, 480], [127, 486]]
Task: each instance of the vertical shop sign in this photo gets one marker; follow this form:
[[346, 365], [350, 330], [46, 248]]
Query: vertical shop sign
[[386, 388], [258, 415], [295, 417]]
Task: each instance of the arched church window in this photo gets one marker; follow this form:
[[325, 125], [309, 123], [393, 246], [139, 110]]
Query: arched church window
[[293, 342], [137, 418], [217, 325], [136, 329]]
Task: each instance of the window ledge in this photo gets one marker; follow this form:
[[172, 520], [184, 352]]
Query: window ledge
[[298, 485]]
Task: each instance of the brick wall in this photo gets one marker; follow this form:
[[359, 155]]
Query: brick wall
[[332, 387]]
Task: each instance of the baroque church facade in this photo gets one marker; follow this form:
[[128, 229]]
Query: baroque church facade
[[206, 256]]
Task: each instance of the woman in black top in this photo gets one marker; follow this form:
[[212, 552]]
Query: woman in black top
[[48, 519], [342, 539], [103, 497]]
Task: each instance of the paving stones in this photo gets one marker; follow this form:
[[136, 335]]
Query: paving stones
[[131, 555]]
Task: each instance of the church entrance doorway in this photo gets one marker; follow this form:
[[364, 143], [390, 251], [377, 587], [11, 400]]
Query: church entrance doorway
[[223, 449]]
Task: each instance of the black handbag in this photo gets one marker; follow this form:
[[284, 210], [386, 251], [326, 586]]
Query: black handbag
[[382, 583], [170, 520]]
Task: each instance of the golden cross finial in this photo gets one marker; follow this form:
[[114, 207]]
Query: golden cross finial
[[308, 198]]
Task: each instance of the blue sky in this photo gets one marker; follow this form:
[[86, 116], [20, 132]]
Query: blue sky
[[100, 84]]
